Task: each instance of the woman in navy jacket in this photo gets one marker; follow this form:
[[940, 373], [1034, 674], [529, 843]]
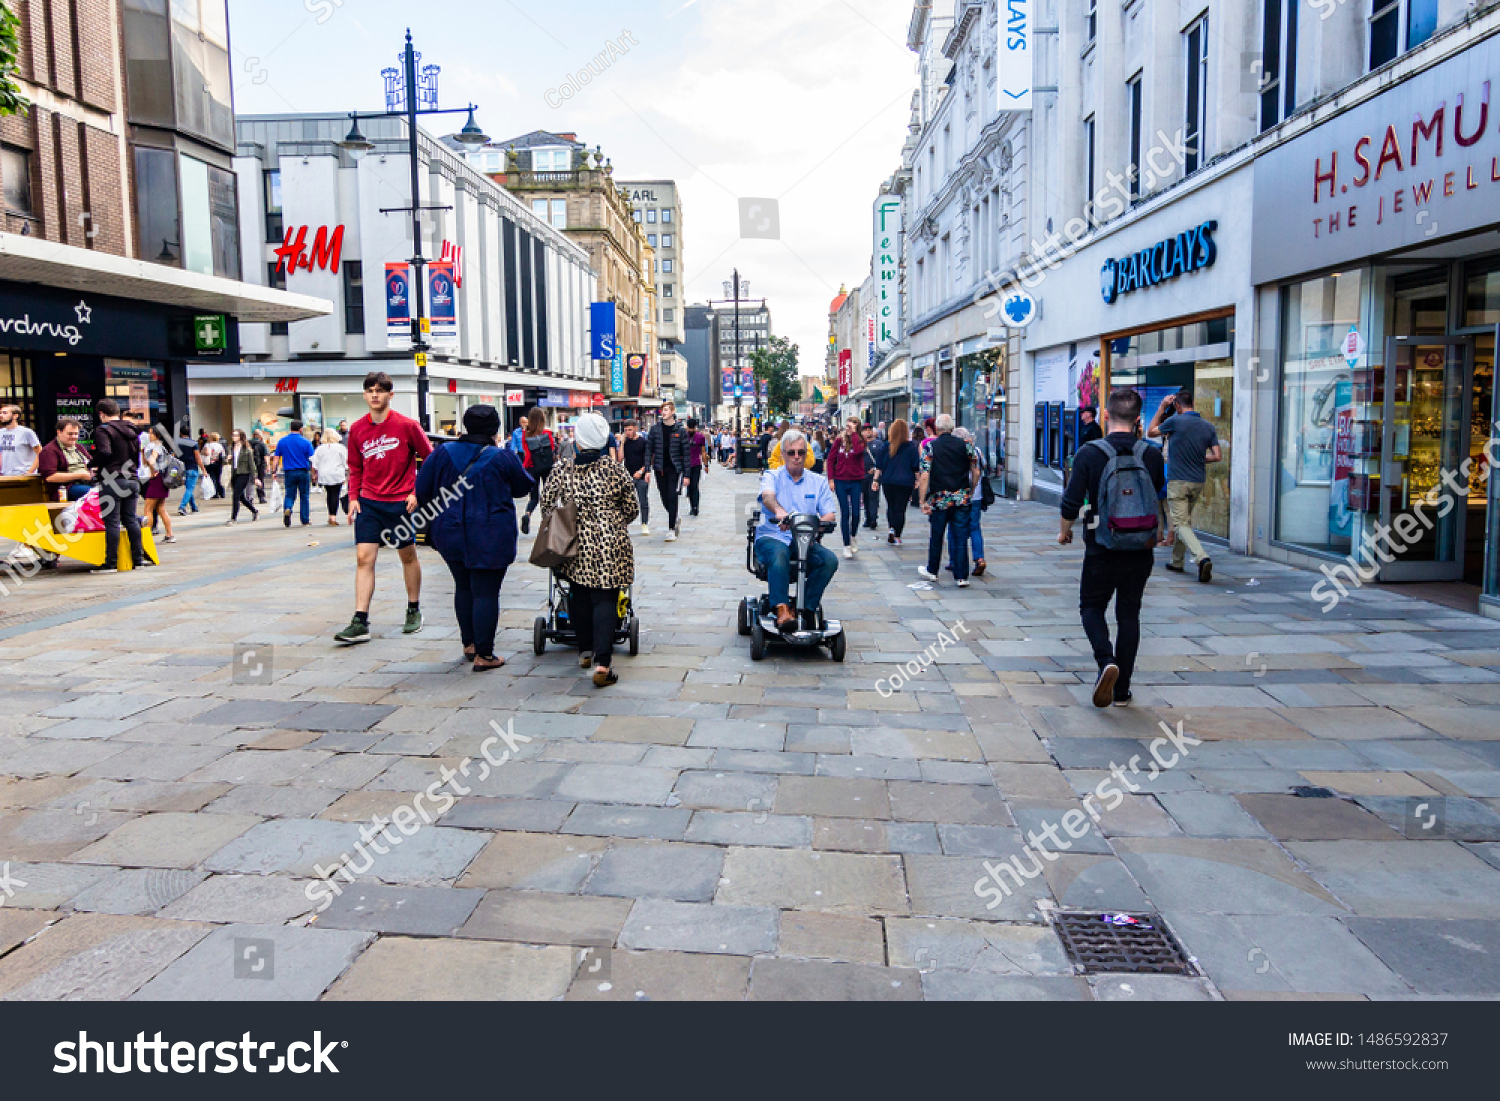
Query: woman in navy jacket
[[466, 492]]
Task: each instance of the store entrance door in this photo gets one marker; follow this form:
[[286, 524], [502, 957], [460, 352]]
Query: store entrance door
[[1424, 399]]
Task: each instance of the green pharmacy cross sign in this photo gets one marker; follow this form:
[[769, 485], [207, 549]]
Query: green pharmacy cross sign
[[211, 333]]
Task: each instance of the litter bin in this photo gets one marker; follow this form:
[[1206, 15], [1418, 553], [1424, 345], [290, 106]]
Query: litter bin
[[749, 455]]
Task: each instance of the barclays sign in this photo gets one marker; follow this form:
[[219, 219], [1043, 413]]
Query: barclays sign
[[1166, 260]]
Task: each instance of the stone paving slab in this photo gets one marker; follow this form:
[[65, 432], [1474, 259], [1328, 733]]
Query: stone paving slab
[[258, 963], [95, 957]]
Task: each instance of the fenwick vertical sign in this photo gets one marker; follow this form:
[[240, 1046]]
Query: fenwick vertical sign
[[887, 270]]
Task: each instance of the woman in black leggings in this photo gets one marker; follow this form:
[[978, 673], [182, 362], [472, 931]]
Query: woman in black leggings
[[898, 478]]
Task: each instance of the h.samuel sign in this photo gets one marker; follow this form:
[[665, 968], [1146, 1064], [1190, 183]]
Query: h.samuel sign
[[1166, 260]]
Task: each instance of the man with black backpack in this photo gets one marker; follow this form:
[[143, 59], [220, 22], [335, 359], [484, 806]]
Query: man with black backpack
[[1120, 478]]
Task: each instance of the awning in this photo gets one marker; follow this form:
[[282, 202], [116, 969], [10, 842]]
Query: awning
[[875, 393], [34, 260]]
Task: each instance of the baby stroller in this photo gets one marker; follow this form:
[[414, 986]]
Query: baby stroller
[[557, 625]]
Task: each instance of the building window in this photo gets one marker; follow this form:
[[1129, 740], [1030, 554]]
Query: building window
[[666, 238], [1399, 25], [666, 217], [636, 214], [669, 316], [539, 208], [156, 205], [666, 266], [1089, 156], [651, 239], [667, 290], [559, 213], [354, 296], [651, 217], [1278, 78], [276, 280], [15, 172], [275, 226], [1093, 19], [1196, 108], [1133, 90], [551, 160]]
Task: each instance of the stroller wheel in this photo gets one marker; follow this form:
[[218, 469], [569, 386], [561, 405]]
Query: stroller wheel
[[635, 636], [539, 635]]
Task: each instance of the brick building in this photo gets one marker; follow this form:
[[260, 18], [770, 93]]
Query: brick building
[[124, 157]]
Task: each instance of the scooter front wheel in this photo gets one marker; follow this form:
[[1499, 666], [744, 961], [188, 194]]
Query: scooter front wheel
[[757, 641], [838, 646]]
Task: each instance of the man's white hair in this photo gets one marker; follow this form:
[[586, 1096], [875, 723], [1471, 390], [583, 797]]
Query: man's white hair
[[964, 434], [791, 436], [944, 423]]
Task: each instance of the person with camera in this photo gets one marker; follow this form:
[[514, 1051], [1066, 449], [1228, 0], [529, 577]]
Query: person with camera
[[1192, 443]]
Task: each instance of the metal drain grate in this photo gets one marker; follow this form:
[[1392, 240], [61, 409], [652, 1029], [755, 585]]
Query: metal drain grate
[[1137, 944]]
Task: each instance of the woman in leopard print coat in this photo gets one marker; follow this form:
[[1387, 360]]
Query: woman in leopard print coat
[[605, 563]]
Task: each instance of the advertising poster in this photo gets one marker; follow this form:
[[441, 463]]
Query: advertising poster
[[1340, 516], [602, 330], [1052, 377], [635, 373], [397, 306], [79, 405], [442, 299]]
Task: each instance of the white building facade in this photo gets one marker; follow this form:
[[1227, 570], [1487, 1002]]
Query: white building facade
[[522, 288]]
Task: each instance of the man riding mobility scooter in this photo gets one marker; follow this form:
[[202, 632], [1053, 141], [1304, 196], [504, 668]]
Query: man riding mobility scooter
[[784, 549]]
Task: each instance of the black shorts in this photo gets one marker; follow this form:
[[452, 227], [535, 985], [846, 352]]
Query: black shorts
[[384, 522]]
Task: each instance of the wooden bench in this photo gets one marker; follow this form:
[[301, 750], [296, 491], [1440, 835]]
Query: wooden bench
[[28, 515]]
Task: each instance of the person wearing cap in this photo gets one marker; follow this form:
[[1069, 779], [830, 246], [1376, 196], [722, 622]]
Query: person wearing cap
[[466, 495], [597, 485]]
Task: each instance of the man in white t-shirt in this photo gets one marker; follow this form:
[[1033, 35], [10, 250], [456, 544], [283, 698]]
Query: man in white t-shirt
[[19, 446]]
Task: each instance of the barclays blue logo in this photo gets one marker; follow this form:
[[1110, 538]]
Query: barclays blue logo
[[1020, 309], [1166, 260]]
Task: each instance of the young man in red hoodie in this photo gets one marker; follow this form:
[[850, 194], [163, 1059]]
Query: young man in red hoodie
[[384, 450]]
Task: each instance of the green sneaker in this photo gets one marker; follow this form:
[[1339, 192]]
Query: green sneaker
[[413, 623], [355, 632]]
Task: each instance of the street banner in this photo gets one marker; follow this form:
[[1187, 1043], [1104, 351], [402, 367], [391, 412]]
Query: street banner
[[443, 298], [635, 373], [1013, 66], [846, 370], [617, 372], [397, 306], [602, 330]]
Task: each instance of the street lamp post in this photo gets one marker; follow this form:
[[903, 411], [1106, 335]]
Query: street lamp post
[[733, 289], [358, 145]]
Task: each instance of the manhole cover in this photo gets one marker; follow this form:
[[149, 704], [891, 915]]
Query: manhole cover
[[1136, 944]]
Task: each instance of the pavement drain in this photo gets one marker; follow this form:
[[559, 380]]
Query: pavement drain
[[1108, 943]]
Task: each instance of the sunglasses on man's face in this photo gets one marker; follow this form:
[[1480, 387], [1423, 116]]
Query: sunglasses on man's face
[[794, 454]]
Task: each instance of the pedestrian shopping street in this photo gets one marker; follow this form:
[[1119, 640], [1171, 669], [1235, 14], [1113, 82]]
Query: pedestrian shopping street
[[182, 747]]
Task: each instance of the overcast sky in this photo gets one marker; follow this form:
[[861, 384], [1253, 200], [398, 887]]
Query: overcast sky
[[802, 101]]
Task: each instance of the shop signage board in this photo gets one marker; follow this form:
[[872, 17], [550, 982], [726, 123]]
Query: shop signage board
[[1169, 259], [554, 399], [1415, 164], [887, 269], [326, 252], [515, 397], [211, 334], [48, 319], [1013, 67]]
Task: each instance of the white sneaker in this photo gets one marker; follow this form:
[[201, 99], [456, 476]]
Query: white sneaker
[[964, 584], [848, 552], [854, 546], [645, 529], [671, 537], [924, 575]]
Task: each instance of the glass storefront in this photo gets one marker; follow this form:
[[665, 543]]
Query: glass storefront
[[1200, 357], [140, 389]]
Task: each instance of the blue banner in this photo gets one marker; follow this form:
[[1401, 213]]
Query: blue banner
[[602, 327], [617, 372]]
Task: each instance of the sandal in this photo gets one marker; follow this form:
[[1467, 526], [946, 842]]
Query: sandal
[[606, 678], [585, 660], [469, 653], [482, 665]]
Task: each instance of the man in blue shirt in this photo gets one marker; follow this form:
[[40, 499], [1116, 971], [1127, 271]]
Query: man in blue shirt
[[1192, 443], [294, 458], [792, 489]]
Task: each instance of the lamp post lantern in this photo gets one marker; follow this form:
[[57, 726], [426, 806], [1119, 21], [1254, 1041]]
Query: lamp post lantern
[[416, 97]]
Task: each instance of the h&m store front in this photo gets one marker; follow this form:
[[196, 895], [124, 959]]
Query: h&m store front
[[1377, 255]]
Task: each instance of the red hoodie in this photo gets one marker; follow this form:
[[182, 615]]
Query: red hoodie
[[383, 457], [846, 466]]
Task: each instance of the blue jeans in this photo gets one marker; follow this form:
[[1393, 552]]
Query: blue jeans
[[189, 492], [299, 482], [954, 521], [817, 572], [850, 494], [976, 536]]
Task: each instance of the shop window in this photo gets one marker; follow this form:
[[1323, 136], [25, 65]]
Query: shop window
[[354, 296], [1317, 426], [1195, 111], [139, 388], [1482, 299], [15, 174], [1199, 358]]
